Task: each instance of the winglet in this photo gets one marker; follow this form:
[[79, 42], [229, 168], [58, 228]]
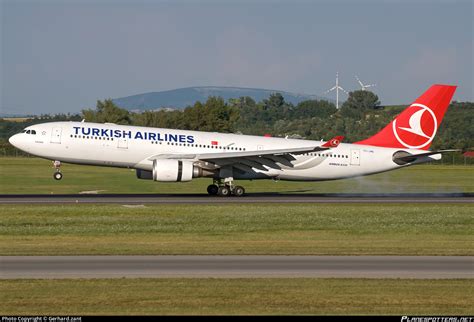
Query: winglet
[[334, 142]]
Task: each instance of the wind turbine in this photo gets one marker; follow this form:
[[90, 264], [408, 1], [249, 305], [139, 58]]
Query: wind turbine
[[337, 88], [362, 86]]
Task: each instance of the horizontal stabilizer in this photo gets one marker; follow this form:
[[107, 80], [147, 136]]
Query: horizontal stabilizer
[[403, 157]]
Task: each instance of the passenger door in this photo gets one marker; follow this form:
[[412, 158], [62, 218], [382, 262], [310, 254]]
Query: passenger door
[[355, 157], [56, 135]]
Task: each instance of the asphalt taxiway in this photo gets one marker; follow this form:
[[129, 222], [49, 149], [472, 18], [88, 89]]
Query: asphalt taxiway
[[419, 267], [248, 198]]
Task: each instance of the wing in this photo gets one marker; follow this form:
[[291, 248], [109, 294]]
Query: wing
[[246, 160]]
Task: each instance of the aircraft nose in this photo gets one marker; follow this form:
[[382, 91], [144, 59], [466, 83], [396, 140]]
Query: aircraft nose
[[14, 140]]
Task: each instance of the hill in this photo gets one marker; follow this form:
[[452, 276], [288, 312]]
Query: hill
[[182, 97]]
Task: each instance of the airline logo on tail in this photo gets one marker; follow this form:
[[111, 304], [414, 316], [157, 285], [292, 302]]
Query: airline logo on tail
[[416, 126], [419, 128]]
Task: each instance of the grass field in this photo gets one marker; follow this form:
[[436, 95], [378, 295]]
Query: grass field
[[346, 229], [236, 296], [32, 175], [285, 229]]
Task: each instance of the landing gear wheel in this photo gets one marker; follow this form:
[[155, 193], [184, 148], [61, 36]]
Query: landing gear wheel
[[212, 189], [223, 191], [57, 175], [238, 191]]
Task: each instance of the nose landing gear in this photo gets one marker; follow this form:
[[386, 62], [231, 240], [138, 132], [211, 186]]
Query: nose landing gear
[[58, 175], [57, 171]]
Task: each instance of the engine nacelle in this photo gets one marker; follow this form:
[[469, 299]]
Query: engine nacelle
[[175, 170], [143, 174]]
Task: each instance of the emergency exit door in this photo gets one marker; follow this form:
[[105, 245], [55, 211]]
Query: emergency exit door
[[122, 144]]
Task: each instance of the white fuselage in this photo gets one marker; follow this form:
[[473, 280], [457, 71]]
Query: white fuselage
[[132, 147]]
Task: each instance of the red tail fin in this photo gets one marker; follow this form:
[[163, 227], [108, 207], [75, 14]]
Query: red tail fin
[[416, 126]]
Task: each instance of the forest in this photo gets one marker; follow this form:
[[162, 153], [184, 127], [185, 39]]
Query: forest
[[359, 117]]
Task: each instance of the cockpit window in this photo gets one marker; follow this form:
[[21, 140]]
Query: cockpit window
[[33, 132], [29, 132], [24, 131]]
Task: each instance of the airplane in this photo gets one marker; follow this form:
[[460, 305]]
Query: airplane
[[171, 155]]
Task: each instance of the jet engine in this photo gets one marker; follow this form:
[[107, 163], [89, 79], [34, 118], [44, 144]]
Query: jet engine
[[143, 174], [175, 170]]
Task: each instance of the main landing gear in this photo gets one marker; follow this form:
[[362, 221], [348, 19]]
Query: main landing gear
[[57, 171], [225, 189]]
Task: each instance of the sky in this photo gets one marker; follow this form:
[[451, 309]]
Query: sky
[[63, 56]]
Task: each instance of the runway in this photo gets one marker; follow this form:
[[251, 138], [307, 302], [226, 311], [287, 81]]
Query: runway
[[437, 198], [419, 267]]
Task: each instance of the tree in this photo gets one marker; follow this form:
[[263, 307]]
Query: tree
[[274, 101], [107, 112], [275, 108], [358, 103], [218, 115], [313, 108]]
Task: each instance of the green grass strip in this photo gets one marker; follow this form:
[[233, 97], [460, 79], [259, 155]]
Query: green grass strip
[[308, 229], [236, 296]]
